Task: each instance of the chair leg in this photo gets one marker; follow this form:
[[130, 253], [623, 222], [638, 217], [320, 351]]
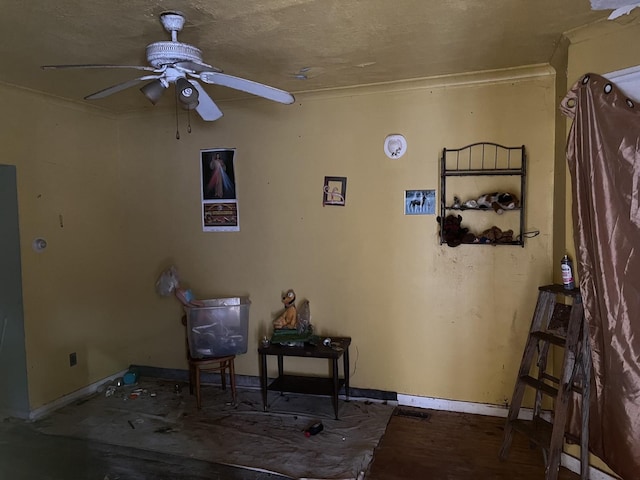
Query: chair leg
[[191, 379], [197, 374], [223, 374], [232, 380]]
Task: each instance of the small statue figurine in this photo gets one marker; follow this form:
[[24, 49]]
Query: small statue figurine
[[288, 318]]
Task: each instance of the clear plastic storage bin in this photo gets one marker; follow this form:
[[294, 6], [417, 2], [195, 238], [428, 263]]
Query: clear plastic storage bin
[[219, 328]]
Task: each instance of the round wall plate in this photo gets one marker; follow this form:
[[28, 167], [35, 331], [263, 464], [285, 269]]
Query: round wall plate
[[39, 244], [395, 146]]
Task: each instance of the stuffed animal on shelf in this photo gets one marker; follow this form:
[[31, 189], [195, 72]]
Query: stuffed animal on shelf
[[288, 318], [496, 235], [498, 201], [453, 233]]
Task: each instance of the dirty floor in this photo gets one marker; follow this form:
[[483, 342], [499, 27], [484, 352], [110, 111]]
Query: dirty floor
[[154, 430]]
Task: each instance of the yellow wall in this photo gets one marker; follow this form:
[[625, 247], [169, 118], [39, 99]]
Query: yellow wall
[[68, 193], [559, 62], [425, 319]]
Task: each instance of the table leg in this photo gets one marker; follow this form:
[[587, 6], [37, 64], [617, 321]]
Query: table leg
[[263, 380], [346, 372], [336, 385], [280, 371]]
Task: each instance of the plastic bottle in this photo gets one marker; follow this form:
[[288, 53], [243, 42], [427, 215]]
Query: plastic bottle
[[567, 273], [313, 429]]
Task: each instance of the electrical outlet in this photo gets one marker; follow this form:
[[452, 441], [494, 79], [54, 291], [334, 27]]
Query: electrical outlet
[[73, 359]]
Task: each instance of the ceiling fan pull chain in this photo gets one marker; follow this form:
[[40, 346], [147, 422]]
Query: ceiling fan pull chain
[[189, 121], [177, 128]]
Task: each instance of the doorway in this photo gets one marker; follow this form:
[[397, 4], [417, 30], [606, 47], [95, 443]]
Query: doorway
[[14, 394]]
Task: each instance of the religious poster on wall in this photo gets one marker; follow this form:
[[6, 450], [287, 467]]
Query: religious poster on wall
[[219, 198]]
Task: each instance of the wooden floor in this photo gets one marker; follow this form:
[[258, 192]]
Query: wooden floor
[[437, 445]]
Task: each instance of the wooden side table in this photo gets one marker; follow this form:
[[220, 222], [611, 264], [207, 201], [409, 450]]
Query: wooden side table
[[303, 383]]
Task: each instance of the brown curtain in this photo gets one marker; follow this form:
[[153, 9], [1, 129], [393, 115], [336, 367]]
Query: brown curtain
[[603, 152]]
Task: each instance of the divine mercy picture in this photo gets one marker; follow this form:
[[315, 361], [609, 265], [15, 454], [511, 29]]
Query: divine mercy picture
[[218, 189]]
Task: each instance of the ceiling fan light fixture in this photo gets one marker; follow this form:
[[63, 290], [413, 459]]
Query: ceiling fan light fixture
[[189, 106], [153, 91], [187, 94]]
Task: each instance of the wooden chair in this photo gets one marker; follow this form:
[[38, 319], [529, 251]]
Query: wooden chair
[[209, 364]]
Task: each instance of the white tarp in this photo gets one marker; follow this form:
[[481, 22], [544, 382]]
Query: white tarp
[[627, 80], [619, 7]]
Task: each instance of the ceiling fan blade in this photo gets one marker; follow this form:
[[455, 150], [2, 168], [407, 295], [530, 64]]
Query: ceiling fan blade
[[97, 65], [248, 86], [197, 67], [120, 86], [208, 110]]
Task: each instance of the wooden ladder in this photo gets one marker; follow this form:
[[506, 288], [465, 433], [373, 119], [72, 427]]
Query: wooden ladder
[[562, 325]]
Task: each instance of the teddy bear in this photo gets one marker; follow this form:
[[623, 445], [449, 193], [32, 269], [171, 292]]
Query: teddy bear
[[498, 201], [289, 317], [453, 233], [496, 235]]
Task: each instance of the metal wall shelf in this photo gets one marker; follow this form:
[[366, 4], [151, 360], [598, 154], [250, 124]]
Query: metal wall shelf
[[480, 160]]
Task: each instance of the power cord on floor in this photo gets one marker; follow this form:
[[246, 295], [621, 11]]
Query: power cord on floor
[[355, 364]]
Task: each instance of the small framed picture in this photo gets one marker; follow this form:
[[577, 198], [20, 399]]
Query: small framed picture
[[419, 202], [334, 191]]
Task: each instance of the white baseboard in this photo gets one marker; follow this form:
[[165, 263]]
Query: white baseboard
[[572, 463], [72, 397], [461, 406], [352, 398], [567, 460]]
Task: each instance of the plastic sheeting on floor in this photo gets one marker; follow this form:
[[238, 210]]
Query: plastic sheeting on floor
[[163, 420]]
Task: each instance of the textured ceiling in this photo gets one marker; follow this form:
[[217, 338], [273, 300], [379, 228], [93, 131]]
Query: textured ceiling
[[337, 42]]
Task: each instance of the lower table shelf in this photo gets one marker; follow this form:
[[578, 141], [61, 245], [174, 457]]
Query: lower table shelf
[[329, 385], [305, 384]]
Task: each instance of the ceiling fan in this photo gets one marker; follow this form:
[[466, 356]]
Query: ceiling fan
[[173, 62]]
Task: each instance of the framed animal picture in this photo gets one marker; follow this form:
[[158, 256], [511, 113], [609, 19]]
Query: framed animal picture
[[419, 202]]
